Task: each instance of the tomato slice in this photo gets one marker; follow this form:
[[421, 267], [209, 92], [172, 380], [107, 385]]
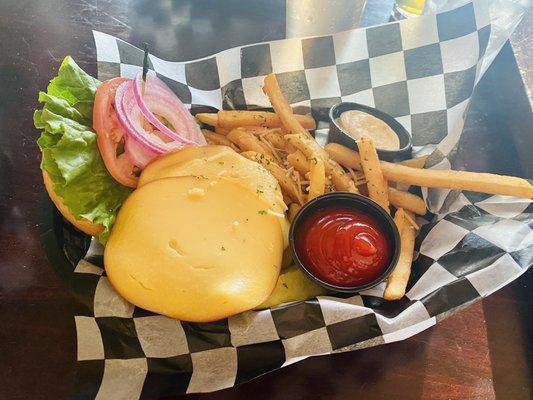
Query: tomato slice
[[110, 135]]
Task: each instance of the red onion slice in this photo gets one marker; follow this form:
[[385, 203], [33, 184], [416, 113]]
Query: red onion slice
[[167, 105], [133, 110]]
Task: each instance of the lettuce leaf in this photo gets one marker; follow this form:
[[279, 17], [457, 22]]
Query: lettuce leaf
[[70, 153]]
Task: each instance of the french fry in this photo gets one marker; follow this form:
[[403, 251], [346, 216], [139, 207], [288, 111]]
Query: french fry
[[293, 210], [255, 130], [234, 119], [299, 162], [298, 180], [399, 219], [246, 141], [376, 184], [311, 149], [275, 138], [317, 178], [433, 178], [397, 281], [417, 162], [410, 217], [407, 201], [307, 145], [274, 134], [207, 118], [288, 186], [215, 138], [281, 105], [460, 180], [344, 155], [340, 179], [357, 176], [301, 138], [222, 131]]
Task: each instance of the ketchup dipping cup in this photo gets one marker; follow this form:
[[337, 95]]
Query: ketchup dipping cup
[[345, 242]]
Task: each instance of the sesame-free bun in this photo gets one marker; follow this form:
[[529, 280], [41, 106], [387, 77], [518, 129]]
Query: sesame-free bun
[[82, 224]]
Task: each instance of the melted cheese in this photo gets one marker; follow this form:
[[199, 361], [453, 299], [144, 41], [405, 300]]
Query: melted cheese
[[185, 257], [221, 161]]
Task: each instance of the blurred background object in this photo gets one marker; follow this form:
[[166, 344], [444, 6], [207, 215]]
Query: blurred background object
[[319, 17], [407, 8]]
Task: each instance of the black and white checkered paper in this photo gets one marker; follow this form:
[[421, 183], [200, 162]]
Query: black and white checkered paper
[[423, 72]]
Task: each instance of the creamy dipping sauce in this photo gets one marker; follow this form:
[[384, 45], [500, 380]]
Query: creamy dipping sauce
[[360, 124]]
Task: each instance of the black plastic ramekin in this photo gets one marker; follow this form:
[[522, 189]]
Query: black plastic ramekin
[[355, 202], [338, 135]]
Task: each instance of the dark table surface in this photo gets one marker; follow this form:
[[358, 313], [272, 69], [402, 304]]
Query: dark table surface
[[482, 352]]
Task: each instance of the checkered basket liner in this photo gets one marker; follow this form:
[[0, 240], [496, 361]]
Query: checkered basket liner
[[421, 71]]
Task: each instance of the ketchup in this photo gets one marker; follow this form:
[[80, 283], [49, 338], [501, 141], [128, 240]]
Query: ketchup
[[343, 247]]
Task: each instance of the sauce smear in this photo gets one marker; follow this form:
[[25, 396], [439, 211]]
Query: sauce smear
[[343, 247]]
